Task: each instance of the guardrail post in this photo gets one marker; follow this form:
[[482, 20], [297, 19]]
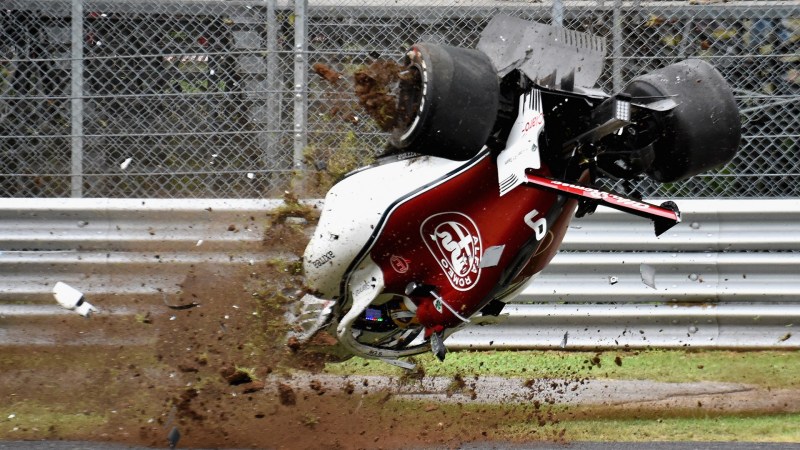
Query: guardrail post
[[76, 100], [300, 82]]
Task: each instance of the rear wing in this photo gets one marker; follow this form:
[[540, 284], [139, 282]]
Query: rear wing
[[664, 216]]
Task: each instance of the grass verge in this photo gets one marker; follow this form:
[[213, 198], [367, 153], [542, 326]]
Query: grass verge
[[560, 423], [765, 428], [773, 369], [21, 421], [773, 428]]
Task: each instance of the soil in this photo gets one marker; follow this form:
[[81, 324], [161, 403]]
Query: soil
[[221, 373], [373, 87], [377, 87]]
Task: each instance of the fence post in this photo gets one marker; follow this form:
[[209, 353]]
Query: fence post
[[616, 46], [300, 82], [273, 103], [557, 13], [76, 100]]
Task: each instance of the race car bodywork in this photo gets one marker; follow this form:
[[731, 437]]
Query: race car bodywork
[[474, 199]]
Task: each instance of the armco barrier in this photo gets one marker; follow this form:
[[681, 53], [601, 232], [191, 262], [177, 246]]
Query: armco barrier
[[726, 277]]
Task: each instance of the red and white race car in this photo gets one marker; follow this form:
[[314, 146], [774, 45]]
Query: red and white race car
[[499, 148]]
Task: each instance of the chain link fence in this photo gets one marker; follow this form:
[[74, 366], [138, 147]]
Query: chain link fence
[[144, 98], [212, 98]]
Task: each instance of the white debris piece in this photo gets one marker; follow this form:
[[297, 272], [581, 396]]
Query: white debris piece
[[72, 299], [303, 221], [199, 243], [125, 163], [251, 175], [491, 256], [648, 273]]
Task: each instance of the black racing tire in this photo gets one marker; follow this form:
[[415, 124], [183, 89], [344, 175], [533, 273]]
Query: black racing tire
[[703, 131], [448, 102]]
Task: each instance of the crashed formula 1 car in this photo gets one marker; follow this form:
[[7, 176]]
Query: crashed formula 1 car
[[499, 148]]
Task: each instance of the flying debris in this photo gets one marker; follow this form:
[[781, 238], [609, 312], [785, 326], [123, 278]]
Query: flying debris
[[648, 274], [564, 340], [173, 437], [72, 299]]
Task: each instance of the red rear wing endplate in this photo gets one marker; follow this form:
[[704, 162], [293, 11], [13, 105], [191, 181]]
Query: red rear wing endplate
[[664, 216]]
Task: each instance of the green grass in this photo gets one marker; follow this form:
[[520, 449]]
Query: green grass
[[769, 428], [30, 420], [775, 369], [522, 423], [526, 423]]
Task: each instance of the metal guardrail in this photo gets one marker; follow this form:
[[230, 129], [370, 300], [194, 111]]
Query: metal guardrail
[[637, 326], [726, 277], [125, 255], [120, 246], [708, 225], [723, 251]]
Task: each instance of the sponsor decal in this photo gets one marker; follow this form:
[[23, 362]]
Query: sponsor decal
[[327, 257], [399, 264], [537, 120], [358, 290], [600, 195], [455, 243], [437, 303]]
